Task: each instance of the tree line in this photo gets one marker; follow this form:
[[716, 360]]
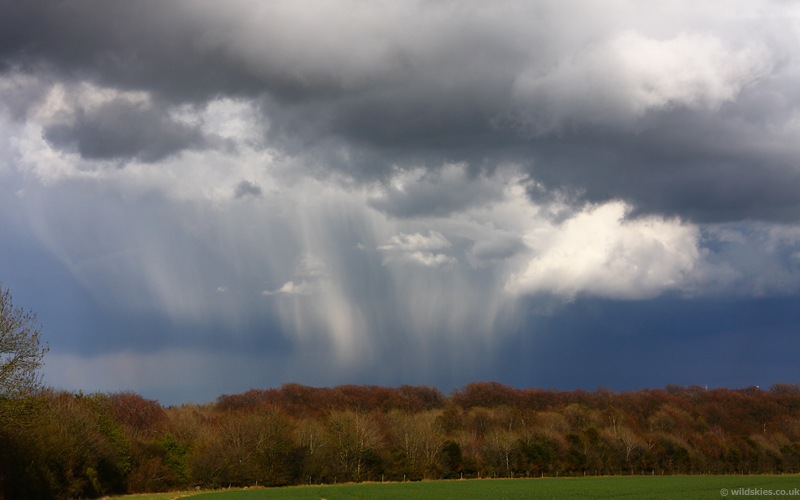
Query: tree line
[[57, 444], [61, 445]]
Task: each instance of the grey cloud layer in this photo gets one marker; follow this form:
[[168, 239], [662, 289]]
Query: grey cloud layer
[[317, 190], [120, 129], [678, 108]]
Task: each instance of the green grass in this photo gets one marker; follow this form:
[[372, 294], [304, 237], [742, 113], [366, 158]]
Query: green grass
[[637, 487], [157, 496]]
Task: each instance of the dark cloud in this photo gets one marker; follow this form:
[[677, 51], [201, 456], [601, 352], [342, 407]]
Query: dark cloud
[[621, 344], [553, 92], [691, 164], [502, 247], [122, 129], [19, 92], [438, 193], [150, 45], [247, 188]]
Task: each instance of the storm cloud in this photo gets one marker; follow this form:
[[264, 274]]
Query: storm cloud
[[387, 192], [120, 129], [605, 101]]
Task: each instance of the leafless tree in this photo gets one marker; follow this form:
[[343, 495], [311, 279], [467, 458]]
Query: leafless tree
[[419, 437], [503, 443], [351, 436], [631, 443], [21, 351]]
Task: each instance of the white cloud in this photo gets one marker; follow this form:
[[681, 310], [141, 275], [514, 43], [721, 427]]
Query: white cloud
[[228, 118], [632, 73], [429, 259], [188, 176], [417, 248], [693, 70], [598, 252], [416, 242], [63, 103], [292, 288]]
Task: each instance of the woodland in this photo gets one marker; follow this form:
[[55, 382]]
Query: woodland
[[61, 445]]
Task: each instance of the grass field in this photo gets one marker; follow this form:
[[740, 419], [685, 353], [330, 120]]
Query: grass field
[[638, 487], [155, 496]]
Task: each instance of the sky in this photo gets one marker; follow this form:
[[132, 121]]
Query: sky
[[198, 198]]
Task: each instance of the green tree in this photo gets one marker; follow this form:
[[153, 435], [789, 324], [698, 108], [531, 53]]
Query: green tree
[[21, 351]]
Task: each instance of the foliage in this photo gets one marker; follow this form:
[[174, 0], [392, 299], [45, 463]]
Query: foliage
[[301, 400], [67, 445], [71, 449]]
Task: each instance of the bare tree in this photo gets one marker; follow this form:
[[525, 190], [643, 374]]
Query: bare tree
[[419, 437], [309, 434], [503, 444], [352, 436], [21, 351], [406, 435], [631, 443]]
